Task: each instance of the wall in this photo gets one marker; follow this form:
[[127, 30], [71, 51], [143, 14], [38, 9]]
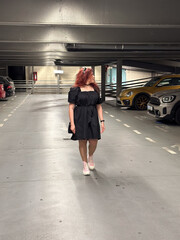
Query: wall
[[46, 75]]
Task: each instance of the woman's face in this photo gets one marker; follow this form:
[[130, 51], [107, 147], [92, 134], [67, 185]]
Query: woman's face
[[90, 79]]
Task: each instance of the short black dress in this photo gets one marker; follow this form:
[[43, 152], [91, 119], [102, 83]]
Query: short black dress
[[85, 113]]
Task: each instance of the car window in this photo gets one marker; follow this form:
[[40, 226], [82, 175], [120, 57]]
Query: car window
[[169, 82], [175, 81], [152, 82]]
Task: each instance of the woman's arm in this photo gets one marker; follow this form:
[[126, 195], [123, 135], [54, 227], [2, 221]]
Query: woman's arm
[[71, 116], [100, 114]]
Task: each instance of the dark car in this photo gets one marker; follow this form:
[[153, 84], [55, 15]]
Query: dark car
[[11, 82], [8, 86], [2, 92]]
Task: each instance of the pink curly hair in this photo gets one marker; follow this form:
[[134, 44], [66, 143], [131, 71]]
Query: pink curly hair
[[82, 78]]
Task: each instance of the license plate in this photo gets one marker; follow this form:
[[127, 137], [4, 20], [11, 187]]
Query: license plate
[[150, 108]]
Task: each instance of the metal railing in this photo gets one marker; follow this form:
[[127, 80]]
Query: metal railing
[[110, 90], [31, 86]]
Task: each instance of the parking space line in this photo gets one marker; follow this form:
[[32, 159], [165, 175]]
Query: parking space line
[[1, 125], [5, 119], [126, 125], [169, 150], [9, 115], [118, 120], [176, 146], [137, 132], [138, 118], [105, 111], [164, 130], [150, 140], [111, 115]]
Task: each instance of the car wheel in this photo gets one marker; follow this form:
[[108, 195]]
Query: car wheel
[[141, 101], [177, 116]]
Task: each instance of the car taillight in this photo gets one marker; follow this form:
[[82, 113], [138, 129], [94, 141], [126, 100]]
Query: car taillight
[[9, 87]]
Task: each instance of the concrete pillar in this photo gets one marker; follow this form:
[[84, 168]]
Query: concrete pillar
[[93, 68], [103, 82], [119, 77]]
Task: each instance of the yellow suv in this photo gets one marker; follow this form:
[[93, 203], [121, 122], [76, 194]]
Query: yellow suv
[[139, 97]]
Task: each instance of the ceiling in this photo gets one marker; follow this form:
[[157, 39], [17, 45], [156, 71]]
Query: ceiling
[[79, 32]]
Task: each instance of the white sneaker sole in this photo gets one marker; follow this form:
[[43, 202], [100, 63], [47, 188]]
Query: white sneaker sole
[[90, 167], [86, 173]]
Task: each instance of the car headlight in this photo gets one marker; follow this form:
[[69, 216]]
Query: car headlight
[[128, 94], [168, 99]]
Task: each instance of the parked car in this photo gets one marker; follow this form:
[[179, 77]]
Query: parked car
[[165, 105], [2, 92], [139, 97], [8, 86]]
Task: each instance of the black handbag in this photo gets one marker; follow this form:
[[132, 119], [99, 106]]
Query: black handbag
[[69, 128]]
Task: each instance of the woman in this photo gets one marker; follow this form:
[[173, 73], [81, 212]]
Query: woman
[[84, 109]]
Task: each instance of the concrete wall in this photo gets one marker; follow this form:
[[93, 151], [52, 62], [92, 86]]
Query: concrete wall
[[46, 74]]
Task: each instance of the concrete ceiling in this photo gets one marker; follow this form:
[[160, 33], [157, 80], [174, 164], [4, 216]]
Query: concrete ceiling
[[79, 32]]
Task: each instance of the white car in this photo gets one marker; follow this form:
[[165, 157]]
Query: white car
[[165, 105]]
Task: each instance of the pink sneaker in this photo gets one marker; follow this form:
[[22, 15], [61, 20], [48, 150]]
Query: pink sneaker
[[86, 169], [91, 164]]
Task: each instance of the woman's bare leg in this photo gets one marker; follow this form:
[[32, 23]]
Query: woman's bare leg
[[83, 149], [92, 146]]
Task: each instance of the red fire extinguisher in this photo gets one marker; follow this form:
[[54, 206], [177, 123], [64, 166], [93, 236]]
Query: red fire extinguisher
[[35, 76]]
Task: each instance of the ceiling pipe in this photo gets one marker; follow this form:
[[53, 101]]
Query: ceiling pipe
[[121, 47]]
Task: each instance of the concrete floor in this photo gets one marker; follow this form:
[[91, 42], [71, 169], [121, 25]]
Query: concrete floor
[[133, 194]]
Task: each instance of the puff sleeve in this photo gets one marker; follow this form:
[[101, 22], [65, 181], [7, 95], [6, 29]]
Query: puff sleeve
[[72, 95]]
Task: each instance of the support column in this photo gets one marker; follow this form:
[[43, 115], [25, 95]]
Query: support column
[[103, 82], [93, 68], [119, 78], [32, 89]]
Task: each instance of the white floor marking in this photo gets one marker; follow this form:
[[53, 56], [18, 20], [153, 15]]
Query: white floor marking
[[164, 130], [177, 145], [15, 96], [1, 125], [150, 140], [9, 115], [169, 150], [138, 118], [136, 131], [126, 125], [118, 120], [105, 111], [5, 119], [111, 115]]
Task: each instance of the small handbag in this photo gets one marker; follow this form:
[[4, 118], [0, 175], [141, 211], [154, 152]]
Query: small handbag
[[69, 128]]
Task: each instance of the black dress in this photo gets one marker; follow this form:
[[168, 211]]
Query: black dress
[[85, 113]]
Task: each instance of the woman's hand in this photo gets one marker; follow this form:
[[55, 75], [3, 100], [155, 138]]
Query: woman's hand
[[102, 127], [73, 129]]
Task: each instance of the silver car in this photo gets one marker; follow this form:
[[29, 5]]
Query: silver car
[[165, 105]]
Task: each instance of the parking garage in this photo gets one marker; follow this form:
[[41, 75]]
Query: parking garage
[[133, 193]]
